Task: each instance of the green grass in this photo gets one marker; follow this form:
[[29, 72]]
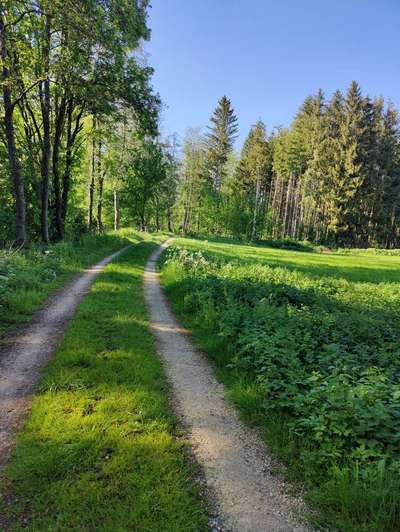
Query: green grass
[[359, 266], [101, 450], [28, 277], [308, 345]]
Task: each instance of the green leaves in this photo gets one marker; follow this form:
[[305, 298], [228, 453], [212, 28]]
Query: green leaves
[[323, 351]]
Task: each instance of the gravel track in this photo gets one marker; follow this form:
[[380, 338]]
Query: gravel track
[[237, 468], [28, 352]]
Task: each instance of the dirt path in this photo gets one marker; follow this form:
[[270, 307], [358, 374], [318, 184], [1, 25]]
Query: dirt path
[[22, 360], [235, 463]]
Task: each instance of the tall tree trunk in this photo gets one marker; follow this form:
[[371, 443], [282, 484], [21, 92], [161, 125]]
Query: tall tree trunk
[[71, 137], [59, 125], [92, 179], [286, 208], [255, 211], [46, 144], [198, 218], [157, 214], [169, 220], [186, 214], [100, 182], [295, 215], [15, 169], [142, 219], [273, 204], [116, 210]]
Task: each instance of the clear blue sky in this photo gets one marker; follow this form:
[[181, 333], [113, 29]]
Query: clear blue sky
[[268, 55]]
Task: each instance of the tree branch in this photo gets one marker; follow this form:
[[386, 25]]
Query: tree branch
[[25, 92], [22, 15]]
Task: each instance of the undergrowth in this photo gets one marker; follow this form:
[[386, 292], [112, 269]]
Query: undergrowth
[[313, 361], [27, 277]]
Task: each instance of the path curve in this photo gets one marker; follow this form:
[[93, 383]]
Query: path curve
[[233, 458], [26, 354]]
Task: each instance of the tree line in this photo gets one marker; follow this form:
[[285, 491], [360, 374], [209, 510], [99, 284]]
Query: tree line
[[80, 119], [332, 177], [80, 148]]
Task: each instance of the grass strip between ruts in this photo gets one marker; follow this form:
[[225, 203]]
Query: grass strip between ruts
[[100, 450]]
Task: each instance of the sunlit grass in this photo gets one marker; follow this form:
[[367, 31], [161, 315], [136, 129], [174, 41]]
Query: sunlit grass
[[27, 277], [100, 451], [309, 303], [355, 267]]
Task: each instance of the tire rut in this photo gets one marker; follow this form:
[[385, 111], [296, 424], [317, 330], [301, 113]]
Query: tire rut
[[235, 463], [30, 349]]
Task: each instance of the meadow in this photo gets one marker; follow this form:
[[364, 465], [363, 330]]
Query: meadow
[[308, 344]]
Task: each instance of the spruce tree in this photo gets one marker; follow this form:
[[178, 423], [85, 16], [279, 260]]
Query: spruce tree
[[219, 141], [353, 136], [253, 175]]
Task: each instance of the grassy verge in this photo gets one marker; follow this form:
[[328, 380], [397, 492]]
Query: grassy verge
[[28, 277], [307, 345], [99, 451]]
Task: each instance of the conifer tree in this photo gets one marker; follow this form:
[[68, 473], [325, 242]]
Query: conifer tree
[[219, 142], [253, 177]]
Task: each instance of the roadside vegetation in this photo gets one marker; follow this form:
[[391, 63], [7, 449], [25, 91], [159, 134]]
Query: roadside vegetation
[[101, 450], [308, 346], [27, 277]]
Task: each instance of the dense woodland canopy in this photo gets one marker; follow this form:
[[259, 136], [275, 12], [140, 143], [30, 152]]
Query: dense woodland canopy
[[80, 148], [332, 177], [79, 138]]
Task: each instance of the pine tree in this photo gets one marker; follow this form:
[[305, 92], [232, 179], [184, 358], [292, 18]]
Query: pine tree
[[353, 135], [219, 142], [253, 177]]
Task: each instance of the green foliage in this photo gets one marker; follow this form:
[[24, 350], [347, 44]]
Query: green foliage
[[332, 177], [100, 450], [27, 277], [251, 183], [321, 353], [147, 169], [219, 141], [66, 61]]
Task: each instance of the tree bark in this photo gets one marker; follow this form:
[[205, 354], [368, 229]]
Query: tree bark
[[157, 214], [255, 212], [100, 183], [59, 126], [44, 93], [116, 210], [15, 169], [71, 138], [169, 220], [92, 179]]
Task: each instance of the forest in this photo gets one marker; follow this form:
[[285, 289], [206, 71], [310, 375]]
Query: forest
[[332, 177], [80, 131], [81, 149]]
